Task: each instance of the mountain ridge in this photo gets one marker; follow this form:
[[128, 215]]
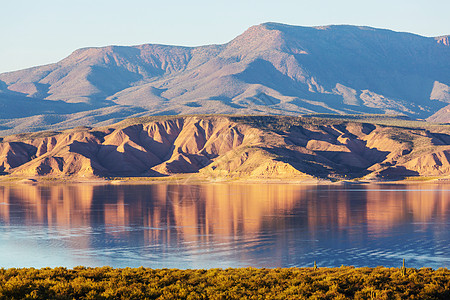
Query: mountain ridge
[[220, 147], [271, 68]]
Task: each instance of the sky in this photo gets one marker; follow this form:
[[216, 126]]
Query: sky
[[45, 31]]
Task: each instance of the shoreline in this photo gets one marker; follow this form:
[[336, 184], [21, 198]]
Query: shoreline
[[192, 179]]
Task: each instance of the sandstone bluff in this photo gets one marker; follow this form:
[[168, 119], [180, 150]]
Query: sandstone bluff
[[218, 147]]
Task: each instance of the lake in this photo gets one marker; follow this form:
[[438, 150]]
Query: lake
[[224, 225]]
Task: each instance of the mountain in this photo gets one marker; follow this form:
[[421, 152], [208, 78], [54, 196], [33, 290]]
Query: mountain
[[441, 116], [234, 147], [269, 69]]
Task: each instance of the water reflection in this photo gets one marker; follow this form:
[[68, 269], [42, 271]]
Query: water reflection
[[188, 226]]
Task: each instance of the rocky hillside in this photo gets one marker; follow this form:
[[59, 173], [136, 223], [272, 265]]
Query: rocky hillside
[[233, 147], [441, 116], [269, 69]]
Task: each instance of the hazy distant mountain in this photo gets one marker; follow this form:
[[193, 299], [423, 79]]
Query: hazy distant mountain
[[270, 68], [442, 115]]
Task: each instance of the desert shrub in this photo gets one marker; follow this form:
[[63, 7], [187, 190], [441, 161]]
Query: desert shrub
[[243, 283]]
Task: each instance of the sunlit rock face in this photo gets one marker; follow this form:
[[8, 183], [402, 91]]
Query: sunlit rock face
[[271, 68], [226, 147]]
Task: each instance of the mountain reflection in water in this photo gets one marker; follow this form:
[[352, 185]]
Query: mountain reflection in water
[[196, 226]]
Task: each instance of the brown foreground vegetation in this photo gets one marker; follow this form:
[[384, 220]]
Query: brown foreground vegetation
[[244, 283]]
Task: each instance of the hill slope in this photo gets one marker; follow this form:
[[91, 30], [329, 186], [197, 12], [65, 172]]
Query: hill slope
[[232, 147], [269, 69]]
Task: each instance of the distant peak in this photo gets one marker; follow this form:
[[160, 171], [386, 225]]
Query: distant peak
[[444, 40], [279, 26], [275, 24], [296, 28]]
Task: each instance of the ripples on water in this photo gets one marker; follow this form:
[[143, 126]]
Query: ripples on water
[[203, 226]]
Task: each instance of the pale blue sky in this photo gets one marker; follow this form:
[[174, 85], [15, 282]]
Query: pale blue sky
[[45, 31]]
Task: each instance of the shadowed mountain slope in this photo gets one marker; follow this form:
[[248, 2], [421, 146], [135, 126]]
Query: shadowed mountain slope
[[269, 69], [232, 146]]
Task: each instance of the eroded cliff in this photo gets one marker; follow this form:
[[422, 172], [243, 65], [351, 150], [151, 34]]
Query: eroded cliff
[[232, 147]]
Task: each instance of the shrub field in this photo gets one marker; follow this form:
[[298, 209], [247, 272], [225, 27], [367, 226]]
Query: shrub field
[[242, 283]]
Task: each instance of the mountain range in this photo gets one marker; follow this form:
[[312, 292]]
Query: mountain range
[[269, 69]]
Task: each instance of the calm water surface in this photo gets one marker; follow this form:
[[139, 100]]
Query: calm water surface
[[204, 226]]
